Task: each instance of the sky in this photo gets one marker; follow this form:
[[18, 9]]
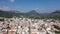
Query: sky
[[41, 6]]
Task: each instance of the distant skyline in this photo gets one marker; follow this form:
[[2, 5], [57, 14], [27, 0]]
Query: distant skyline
[[42, 6]]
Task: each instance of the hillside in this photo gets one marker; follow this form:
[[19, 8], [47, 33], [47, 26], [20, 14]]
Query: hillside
[[9, 14], [53, 15], [31, 14]]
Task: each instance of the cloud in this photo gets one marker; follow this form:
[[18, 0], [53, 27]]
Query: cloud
[[12, 0], [4, 8]]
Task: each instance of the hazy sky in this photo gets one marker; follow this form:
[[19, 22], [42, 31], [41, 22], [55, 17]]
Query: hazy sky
[[41, 6]]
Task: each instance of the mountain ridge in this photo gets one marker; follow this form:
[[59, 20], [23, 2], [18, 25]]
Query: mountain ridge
[[31, 13]]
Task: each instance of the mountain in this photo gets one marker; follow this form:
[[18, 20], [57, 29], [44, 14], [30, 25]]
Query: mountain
[[17, 13], [9, 13], [53, 15], [58, 11], [32, 13], [14, 11]]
